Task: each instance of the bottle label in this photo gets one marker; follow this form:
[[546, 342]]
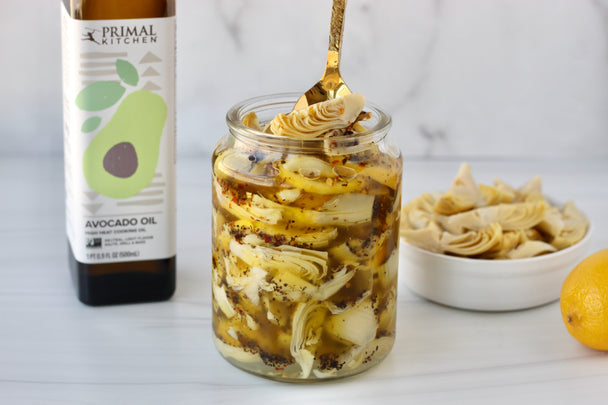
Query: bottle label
[[119, 138]]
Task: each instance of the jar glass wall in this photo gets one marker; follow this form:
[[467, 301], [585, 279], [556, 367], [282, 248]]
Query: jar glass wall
[[305, 247]]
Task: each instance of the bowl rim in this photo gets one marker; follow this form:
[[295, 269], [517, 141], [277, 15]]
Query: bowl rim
[[502, 266]]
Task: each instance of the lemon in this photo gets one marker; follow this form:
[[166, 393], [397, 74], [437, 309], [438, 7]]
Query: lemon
[[584, 301]]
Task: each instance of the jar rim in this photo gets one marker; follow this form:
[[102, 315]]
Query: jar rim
[[381, 122]]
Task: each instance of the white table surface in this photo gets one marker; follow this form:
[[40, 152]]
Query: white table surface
[[55, 350]]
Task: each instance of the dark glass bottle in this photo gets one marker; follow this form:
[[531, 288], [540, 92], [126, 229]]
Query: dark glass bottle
[[121, 282]]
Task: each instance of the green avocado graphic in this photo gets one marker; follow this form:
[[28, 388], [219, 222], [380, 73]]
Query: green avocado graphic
[[121, 160]]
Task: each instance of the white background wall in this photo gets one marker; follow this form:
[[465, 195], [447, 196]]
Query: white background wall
[[489, 78]]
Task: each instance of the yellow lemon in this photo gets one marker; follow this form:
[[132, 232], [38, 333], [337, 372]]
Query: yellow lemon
[[584, 301]]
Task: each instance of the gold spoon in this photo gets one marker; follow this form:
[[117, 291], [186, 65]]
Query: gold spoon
[[331, 84]]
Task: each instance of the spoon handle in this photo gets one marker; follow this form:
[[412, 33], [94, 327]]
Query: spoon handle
[[331, 84], [335, 35], [337, 25]]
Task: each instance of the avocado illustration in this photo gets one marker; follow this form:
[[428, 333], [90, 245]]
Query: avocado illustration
[[121, 160]]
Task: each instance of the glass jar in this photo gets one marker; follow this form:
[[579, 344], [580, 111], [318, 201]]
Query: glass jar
[[305, 247]]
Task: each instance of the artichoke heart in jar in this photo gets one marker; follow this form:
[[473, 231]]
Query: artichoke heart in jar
[[305, 238]]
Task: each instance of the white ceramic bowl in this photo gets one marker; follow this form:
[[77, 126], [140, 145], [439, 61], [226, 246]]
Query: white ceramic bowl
[[489, 285]]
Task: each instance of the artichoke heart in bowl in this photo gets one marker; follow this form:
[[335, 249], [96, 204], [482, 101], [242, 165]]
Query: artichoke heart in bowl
[[492, 248]]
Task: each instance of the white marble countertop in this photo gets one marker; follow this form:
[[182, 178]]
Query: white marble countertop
[[54, 350]]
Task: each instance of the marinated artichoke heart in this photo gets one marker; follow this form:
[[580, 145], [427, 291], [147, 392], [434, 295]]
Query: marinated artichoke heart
[[318, 119], [305, 249], [491, 222]]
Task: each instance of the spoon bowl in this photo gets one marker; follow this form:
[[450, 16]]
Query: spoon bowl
[[331, 84]]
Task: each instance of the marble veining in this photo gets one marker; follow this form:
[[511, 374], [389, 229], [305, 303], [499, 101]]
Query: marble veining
[[231, 14], [504, 78]]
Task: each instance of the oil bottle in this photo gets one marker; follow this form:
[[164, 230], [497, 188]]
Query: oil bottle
[[119, 148]]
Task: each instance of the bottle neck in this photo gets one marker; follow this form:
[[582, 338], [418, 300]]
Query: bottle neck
[[119, 9]]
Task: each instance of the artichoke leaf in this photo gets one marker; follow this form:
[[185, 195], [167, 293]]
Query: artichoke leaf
[[339, 280], [530, 248], [473, 242], [387, 271], [418, 213], [220, 297], [344, 209], [498, 194], [376, 347], [307, 326], [312, 237], [236, 353], [321, 185], [294, 163], [251, 284], [311, 264], [382, 175], [462, 195], [251, 210], [575, 226], [510, 217], [357, 325], [343, 254]]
